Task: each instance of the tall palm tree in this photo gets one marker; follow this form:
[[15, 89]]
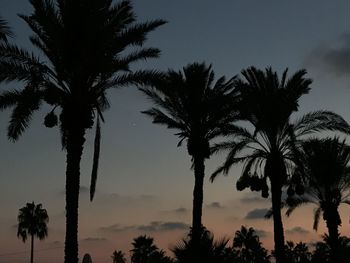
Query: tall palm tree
[[200, 110], [5, 31], [267, 150], [32, 221], [326, 174], [88, 50]]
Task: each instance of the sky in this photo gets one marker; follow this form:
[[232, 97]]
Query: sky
[[145, 182]]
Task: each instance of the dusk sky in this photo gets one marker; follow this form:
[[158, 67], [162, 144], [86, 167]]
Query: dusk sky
[[145, 182]]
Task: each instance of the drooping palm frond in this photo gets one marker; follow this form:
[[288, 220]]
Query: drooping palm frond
[[95, 159], [320, 121]]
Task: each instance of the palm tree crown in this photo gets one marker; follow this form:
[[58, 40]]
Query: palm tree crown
[[267, 151], [5, 31]]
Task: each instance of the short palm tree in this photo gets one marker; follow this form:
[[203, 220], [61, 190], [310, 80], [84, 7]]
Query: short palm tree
[[5, 31], [118, 257], [200, 110], [267, 104], [248, 247], [326, 173], [87, 48], [32, 221]]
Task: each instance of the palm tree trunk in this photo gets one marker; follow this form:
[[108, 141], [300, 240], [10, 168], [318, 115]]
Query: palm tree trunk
[[332, 218], [276, 194], [32, 250], [75, 143], [197, 199]]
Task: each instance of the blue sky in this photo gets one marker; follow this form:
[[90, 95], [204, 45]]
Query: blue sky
[[145, 183]]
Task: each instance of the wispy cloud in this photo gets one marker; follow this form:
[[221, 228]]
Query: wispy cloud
[[215, 205], [261, 233], [332, 58], [154, 226], [296, 230], [253, 197], [258, 213], [94, 239]]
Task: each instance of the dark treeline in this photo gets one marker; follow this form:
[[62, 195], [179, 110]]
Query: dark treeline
[[88, 48]]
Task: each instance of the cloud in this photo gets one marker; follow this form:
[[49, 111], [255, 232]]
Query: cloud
[[261, 233], [258, 213], [181, 210], [154, 226], [116, 228], [215, 205], [252, 198], [94, 239], [332, 59], [163, 226], [296, 230]]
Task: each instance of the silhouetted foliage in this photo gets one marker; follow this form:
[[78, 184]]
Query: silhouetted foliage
[[323, 251], [32, 221], [248, 247], [267, 103], [297, 253], [326, 175], [118, 257], [5, 30], [200, 110], [145, 251], [211, 251], [88, 50]]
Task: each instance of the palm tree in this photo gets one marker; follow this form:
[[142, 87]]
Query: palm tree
[[267, 151], [326, 174], [32, 221], [297, 253], [145, 251], [248, 247], [212, 251], [118, 257], [200, 110], [88, 50], [5, 31]]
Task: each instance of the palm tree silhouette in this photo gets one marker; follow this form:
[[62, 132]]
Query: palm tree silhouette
[[118, 257], [5, 31], [326, 174], [267, 104], [201, 111], [248, 246], [88, 49], [32, 221], [145, 251]]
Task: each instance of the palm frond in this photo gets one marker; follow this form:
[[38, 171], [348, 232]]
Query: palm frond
[[5, 31], [28, 102], [320, 121], [317, 215]]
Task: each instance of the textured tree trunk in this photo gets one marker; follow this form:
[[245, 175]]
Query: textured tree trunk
[[75, 143], [276, 194], [197, 199], [32, 250]]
